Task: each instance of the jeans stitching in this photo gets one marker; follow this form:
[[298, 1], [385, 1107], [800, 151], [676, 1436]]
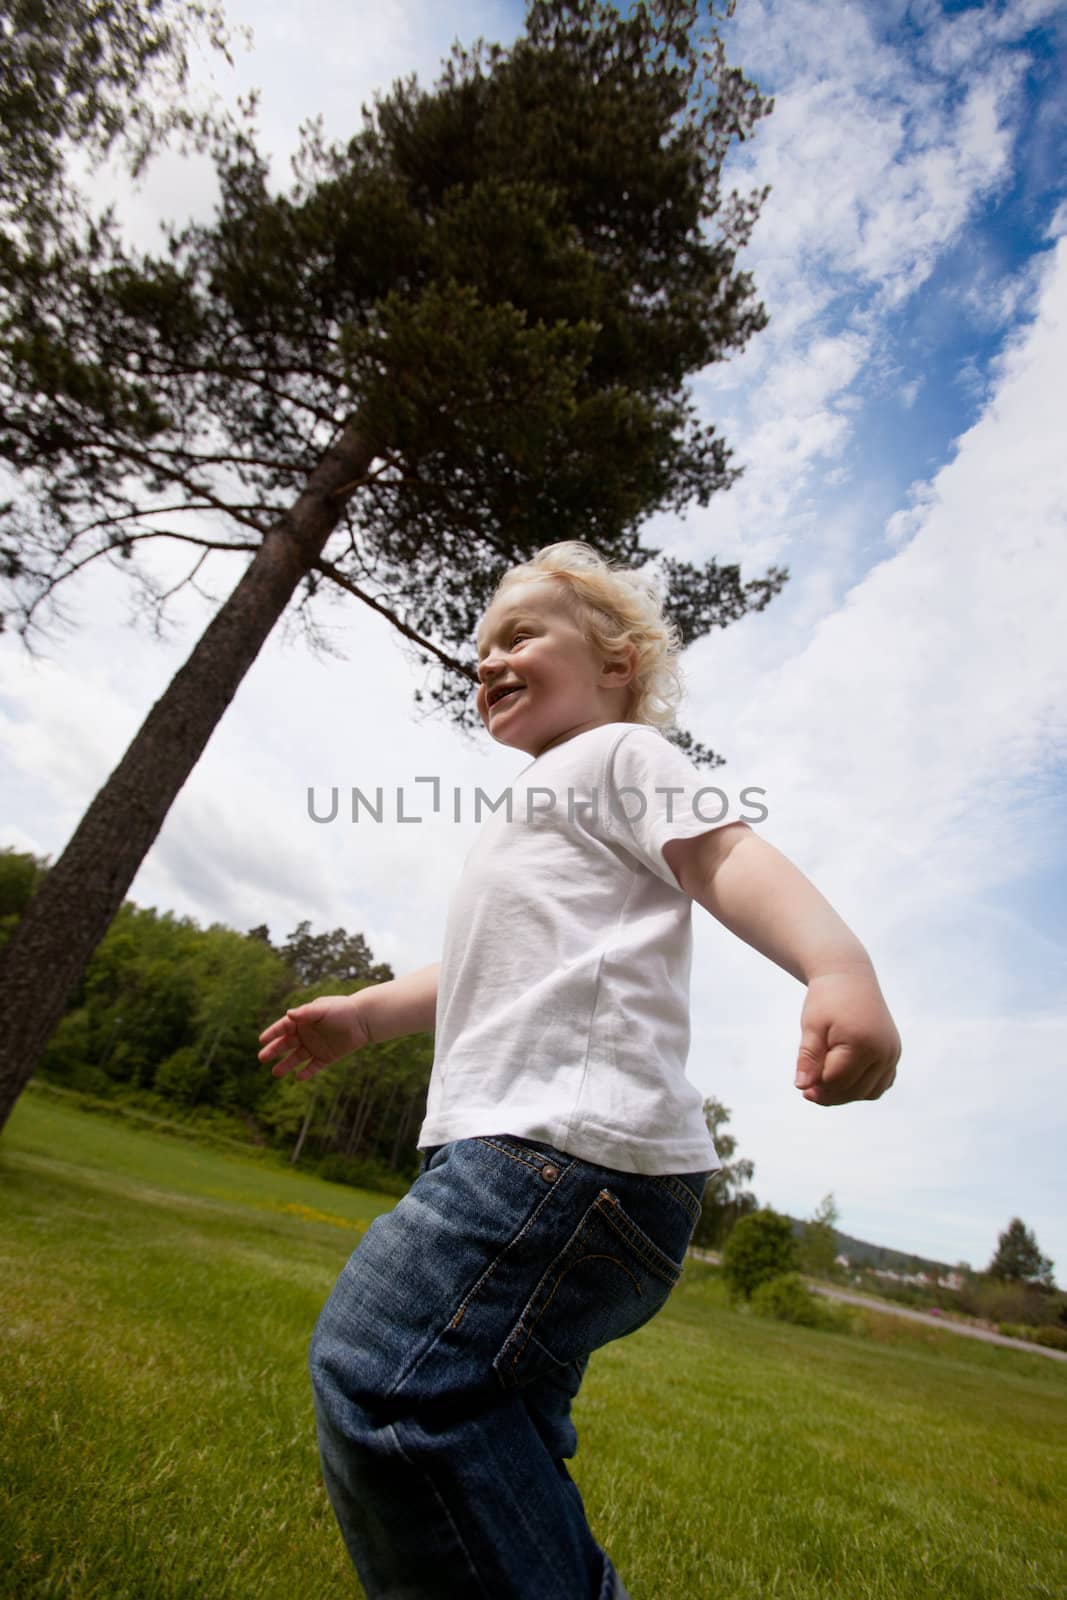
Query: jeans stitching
[[511, 1154], [593, 1256], [682, 1192], [678, 1190], [457, 1318], [618, 1219]]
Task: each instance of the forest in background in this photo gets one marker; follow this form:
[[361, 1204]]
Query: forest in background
[[168, 1017]]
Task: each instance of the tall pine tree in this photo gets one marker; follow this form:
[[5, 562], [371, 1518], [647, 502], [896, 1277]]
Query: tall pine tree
[[1018, 1258]]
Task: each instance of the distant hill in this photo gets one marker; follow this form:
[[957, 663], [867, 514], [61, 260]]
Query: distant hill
[[863, 1254]]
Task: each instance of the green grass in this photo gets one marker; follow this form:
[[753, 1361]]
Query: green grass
[[157, 1299]]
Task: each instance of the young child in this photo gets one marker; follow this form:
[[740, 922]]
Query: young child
[[564, 1151]]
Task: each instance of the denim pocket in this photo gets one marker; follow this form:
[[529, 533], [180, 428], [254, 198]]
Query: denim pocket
[[608, 1280]]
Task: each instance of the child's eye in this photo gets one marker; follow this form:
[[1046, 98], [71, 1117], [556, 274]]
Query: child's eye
[[517, 636]]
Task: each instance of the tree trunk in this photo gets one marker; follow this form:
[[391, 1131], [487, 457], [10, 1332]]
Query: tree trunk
[[329, 1131], [366, 1102], [74, 905], [306, 1124], [383, 1117], [402, 1128], [354, 1125], [342, 1119]]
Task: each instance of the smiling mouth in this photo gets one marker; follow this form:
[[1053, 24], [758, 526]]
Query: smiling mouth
[[499, 696]]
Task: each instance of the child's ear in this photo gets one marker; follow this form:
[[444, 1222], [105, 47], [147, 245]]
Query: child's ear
[[618, 670]]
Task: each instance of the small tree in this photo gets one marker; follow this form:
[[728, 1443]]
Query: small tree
[[313, 957], [787, 1298], [727, 1197], [760, 1248], [818, 1247], [1018, 1259]]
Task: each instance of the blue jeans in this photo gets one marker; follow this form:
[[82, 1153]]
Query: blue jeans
[[445, 1361]]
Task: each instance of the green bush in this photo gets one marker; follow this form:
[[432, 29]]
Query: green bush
[[790, 1300], [1019, 1303], [84, 1078], [181, 1077], [361, 1174], [67, 1057], [1051, 1337], [759, 1248], [143, 1109]]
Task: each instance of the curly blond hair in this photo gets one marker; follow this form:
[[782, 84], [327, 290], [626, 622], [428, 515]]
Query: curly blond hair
[[616, 607]]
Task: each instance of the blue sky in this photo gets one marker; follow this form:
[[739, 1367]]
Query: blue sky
[[904, 702]]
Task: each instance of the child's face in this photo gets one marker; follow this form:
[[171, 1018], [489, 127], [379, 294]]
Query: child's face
[[530, 642]]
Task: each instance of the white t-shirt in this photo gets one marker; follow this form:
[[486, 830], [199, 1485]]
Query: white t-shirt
[[563, 1003]]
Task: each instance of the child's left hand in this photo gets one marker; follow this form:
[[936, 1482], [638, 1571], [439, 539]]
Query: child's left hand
[[849, 1045]]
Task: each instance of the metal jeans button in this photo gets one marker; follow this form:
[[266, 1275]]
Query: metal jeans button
[[549, 1172]]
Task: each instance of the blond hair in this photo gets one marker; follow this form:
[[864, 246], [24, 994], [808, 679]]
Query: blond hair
[[615, 607]]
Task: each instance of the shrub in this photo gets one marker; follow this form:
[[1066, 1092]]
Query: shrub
[[1051, 1337], [759, 1248], [789, 1299], [1008, 1302], [67, 1058], [85, 1078], [362, 1174], [181, 1077]]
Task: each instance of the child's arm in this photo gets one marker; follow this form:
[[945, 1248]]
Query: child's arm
[[849, 1044], [314, 1035]]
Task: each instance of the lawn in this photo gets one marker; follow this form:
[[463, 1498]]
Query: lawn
[[158, 1443]]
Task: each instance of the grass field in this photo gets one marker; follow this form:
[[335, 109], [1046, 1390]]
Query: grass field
[[155, 1415]]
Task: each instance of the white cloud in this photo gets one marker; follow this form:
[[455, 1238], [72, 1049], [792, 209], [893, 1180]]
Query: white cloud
[[876, 164], [874, 167], [913, 748], [953, 42]]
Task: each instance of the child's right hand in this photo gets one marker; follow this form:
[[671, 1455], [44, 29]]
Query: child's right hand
[[312, 1036]]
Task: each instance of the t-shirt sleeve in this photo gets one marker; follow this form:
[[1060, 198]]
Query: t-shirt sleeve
[[655, 793]]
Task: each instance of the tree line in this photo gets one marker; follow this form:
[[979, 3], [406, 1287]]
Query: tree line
[[766, 1251], [170, 1012], [767, 1255]]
